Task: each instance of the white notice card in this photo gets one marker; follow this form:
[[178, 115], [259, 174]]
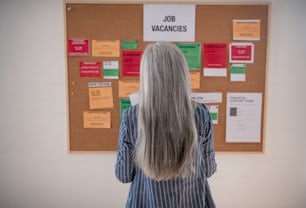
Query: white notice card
[[169, 22], [243, 117], [207, 97]]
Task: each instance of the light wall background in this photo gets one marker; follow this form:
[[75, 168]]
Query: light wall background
[[37, 172]]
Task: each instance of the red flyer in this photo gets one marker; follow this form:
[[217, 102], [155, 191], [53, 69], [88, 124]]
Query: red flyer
[[242, 53], [214, 55], [90, 69], [131, 63], [215, 59], [78, 47]]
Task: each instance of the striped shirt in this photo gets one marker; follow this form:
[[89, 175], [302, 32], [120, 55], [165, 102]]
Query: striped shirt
[[189, 192]]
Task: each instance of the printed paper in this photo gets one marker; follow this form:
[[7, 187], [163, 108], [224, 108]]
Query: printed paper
[[238, 73], [129, 44], [195, 78], [192, 53], [127, 87], [243, 117], [99, 84], [100, 97], [169, 22], [207, 97], [90, 69], [96, 119], [215, 59], [241, 52], [124, 104], [246, 29], [111, 69], [131, 63], [78, 47], [102, 48], [214, 113]]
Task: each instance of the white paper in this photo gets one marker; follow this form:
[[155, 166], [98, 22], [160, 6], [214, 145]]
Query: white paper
[[214, 72], [99, 84], [111, 64], [208, 97], [243, 117], [134, 98], [237, 77], [169, 22]]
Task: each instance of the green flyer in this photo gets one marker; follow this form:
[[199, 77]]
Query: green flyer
[[192, 53], [129, 44], [124, 104]]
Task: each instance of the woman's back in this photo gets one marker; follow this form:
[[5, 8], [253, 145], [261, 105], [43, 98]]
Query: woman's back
[[166, 146], [191, 191]]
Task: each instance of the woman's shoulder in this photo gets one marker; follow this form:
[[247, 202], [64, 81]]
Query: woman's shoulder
[[201, 108], [202, 116], [130, 112]]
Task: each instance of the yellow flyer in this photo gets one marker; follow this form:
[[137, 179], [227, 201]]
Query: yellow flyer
[[96, 119], [100, 97], [128, 87], [102, 48], [195, 80], [246, 29]]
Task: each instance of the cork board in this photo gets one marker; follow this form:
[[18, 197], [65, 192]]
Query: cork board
[[124, 21]]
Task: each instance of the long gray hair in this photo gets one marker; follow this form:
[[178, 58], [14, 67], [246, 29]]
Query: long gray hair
[[167, 136]]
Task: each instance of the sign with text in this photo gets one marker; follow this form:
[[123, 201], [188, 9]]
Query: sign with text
[[241, 52], [246, 29], [131, 63], [165, 22], [78, 47], [215, 59], [90, 69]]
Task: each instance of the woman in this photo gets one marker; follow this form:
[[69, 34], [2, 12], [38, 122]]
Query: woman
[[166, 146]]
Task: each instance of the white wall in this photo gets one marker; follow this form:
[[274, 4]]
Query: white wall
[[37, 172]]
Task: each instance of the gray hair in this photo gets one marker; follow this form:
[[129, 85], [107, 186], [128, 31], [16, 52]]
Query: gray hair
[[167, 136]]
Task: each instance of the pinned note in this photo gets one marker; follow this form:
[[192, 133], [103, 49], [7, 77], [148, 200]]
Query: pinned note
[[192, 53], [127, 87], [131, 63], [238, 72], [195, 79], [215, 59], [100, 97], [96, 119], [246, 29], [102, 48], [111, 69]]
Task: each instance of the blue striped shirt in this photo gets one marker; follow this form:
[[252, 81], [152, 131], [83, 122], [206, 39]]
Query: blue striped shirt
[[188, 192]]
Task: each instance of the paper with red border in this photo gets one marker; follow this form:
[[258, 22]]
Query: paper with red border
[[241, 52], [78, 47]]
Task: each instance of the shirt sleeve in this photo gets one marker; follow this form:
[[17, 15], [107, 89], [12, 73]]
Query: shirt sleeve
[[124, 168], [208, 146]]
